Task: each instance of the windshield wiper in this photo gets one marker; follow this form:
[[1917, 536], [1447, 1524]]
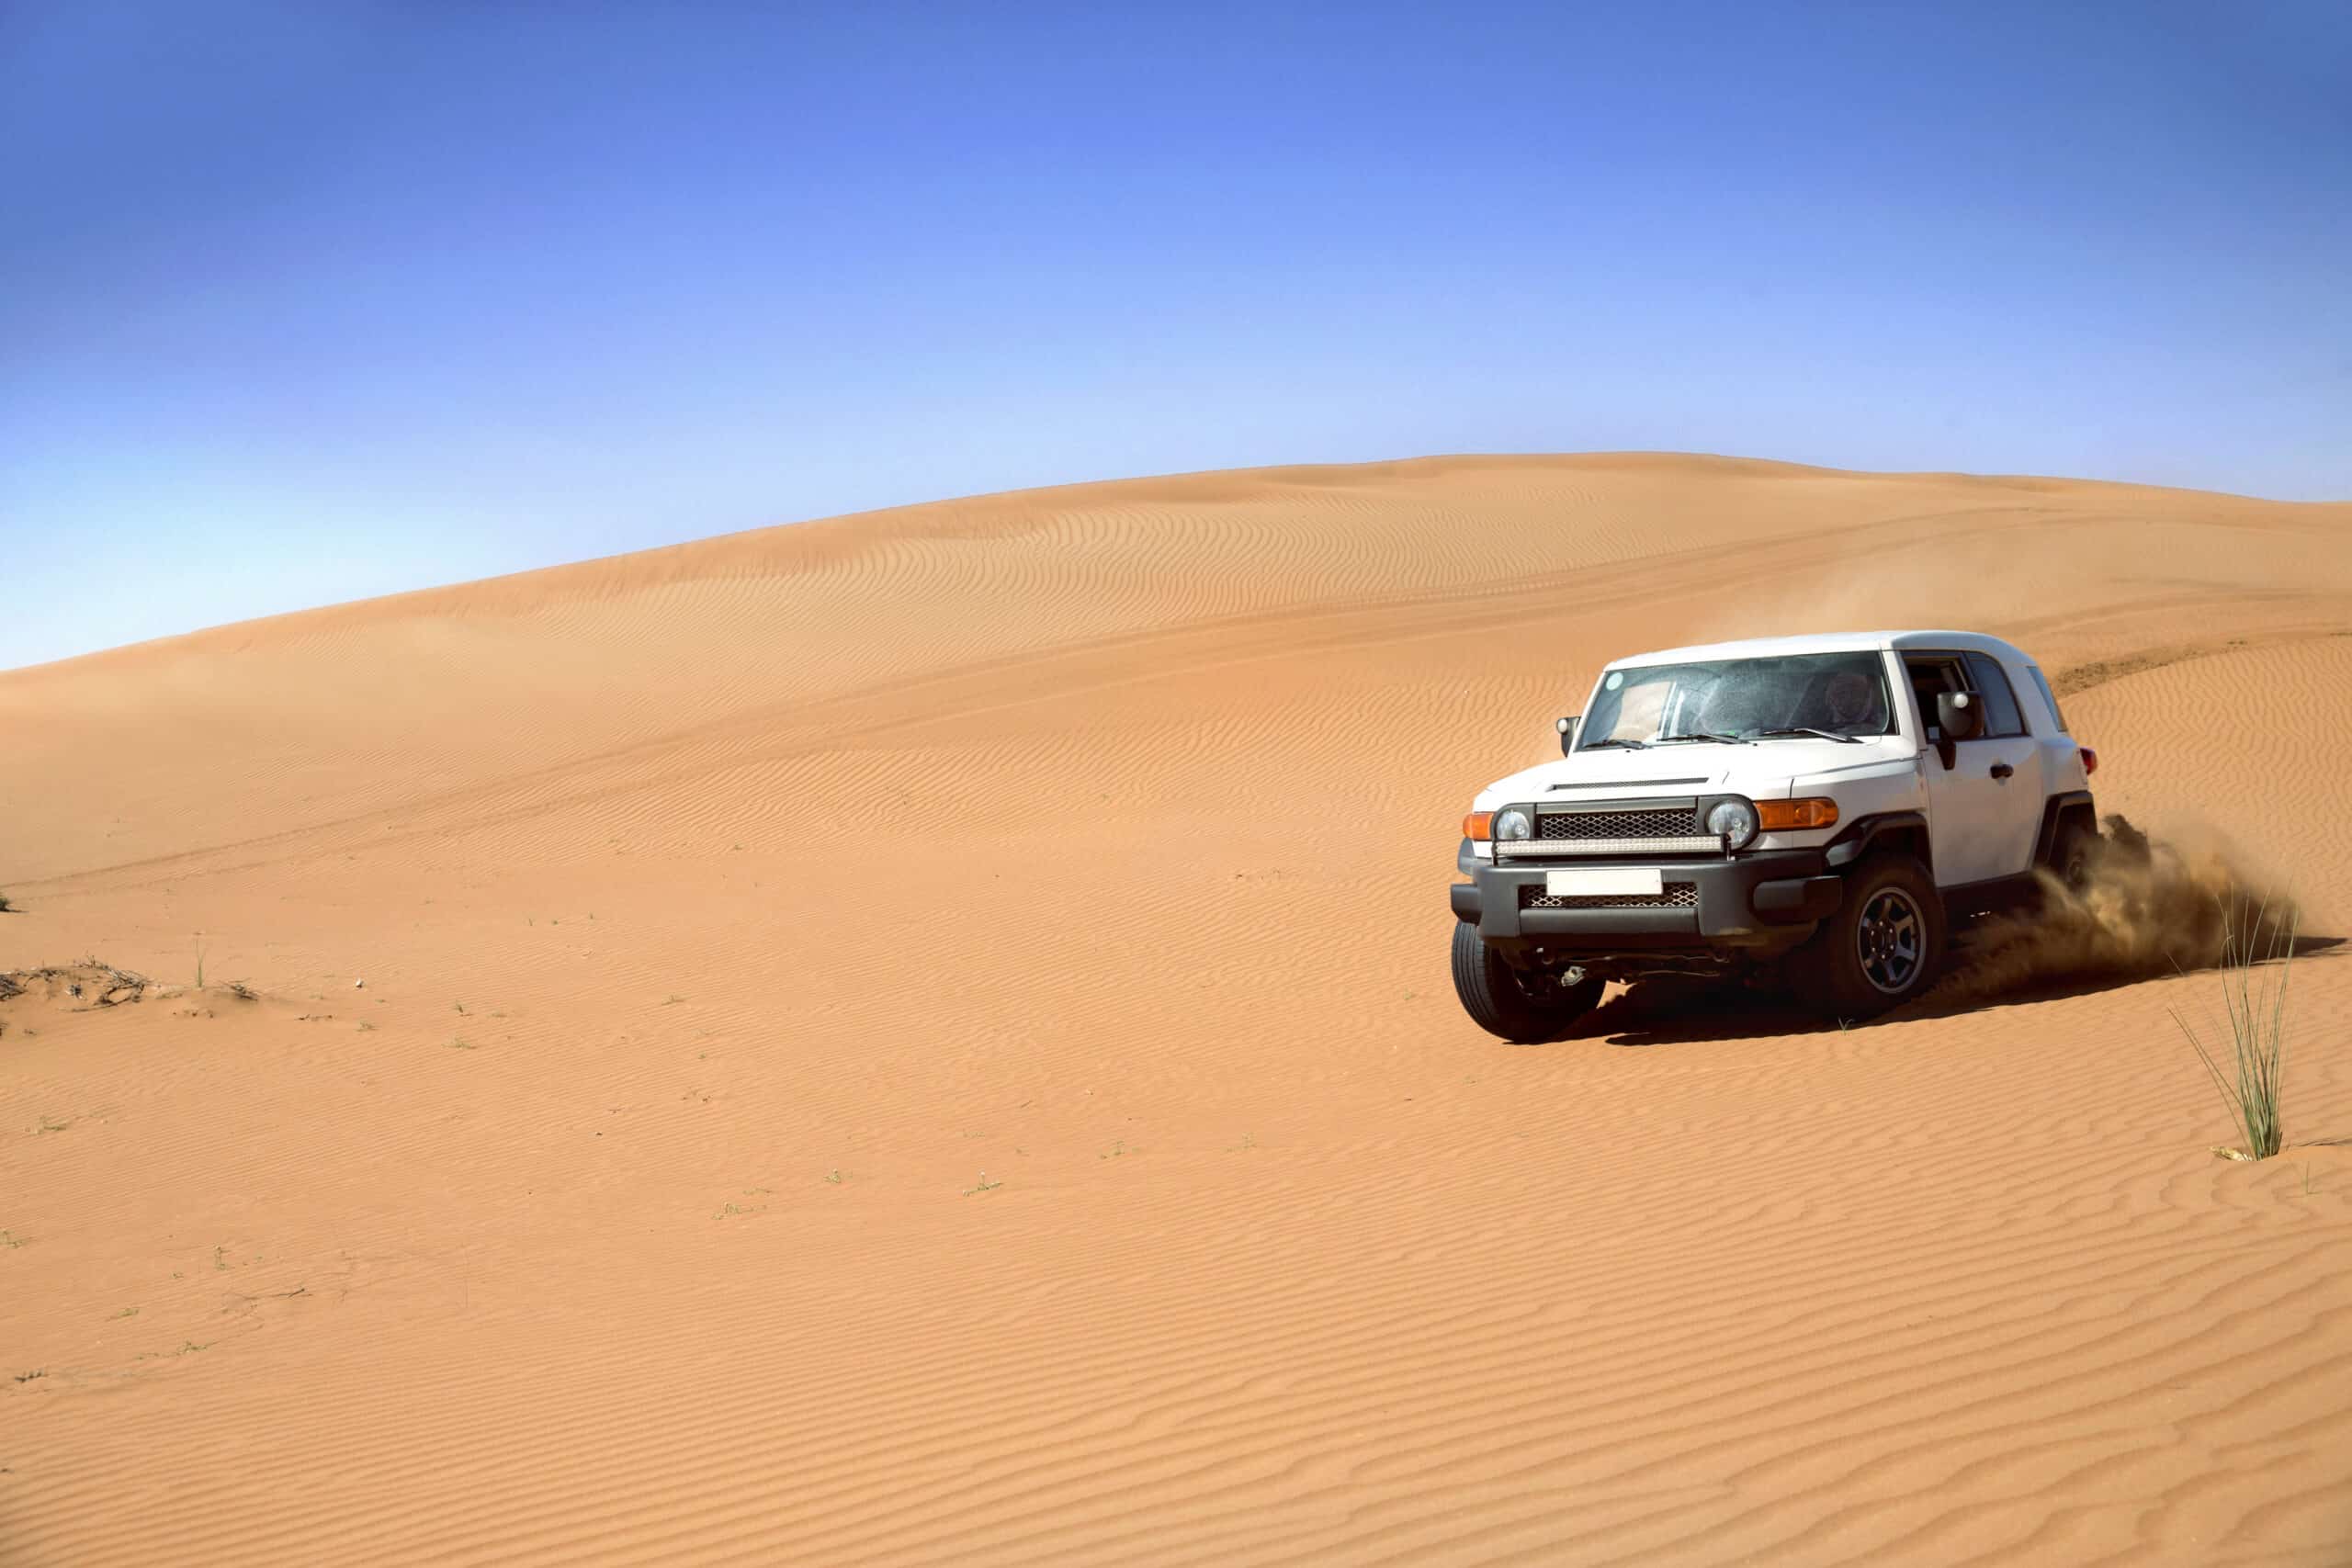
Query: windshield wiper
[[1597, 745], [1701, 735], [1808, 729]]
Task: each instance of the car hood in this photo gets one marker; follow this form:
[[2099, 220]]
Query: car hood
[[1764, 769]]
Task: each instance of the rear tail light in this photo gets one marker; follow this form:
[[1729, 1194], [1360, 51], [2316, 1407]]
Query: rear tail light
[[2090, 761]]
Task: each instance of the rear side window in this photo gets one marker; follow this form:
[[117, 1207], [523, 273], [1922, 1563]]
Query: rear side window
[[2001, 715], [2048, 696]]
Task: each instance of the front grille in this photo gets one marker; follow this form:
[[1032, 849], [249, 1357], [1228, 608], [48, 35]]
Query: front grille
[[1674, 895], [1678, 821], [1669, 827]]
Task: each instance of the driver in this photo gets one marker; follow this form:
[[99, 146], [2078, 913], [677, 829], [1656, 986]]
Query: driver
[[1852, 701]]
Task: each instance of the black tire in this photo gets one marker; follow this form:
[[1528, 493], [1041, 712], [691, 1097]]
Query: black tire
[[1531, 1010], [2073, 854], [1880, 948]]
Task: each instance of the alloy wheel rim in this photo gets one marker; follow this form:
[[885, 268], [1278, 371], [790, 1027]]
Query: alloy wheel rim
[[1888, 941]]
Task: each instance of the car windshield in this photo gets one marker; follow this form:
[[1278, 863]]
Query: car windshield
[[1836, 695]]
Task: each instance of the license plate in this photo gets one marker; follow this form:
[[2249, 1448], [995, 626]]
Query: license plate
[[1602, 882]]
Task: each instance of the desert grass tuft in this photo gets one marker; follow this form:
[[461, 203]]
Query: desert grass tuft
[[2252, 942]]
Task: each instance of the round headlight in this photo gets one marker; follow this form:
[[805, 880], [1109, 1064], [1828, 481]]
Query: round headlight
[[1514, 822], [1733, 819]]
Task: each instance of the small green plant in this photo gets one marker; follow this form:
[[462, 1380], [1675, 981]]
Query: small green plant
[[51, 1124], [365, 1027], [458, 1006], [462, 1044], [199, 960], [1117, 1149], [832, 1177], [2251, 941], [221, 1258], [983, 1185], [190, 1348], [11, 1240], [673, 1000], [126, 1312], [5, 907]]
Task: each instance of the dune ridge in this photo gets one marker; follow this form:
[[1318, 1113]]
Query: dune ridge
[[923, 1038]]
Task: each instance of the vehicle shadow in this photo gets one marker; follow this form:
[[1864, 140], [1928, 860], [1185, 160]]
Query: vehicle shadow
[[1675, 1011], [1671, 1010]]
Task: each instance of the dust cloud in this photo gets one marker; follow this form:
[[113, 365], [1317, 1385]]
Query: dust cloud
[[2147, 907]]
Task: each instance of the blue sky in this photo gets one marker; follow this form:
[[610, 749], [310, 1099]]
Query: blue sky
[[305, 302]]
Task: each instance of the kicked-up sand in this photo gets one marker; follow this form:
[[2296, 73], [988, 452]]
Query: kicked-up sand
[[924, 1038]]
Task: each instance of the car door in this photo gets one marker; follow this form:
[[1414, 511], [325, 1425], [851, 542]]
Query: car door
[[1984, 811]]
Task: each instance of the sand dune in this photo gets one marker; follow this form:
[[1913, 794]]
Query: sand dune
[[924, 1038]]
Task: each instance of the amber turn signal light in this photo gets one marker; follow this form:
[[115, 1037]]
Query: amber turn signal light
[[1787, 816], [1479, 825]]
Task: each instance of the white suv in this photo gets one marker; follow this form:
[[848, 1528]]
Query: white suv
[[1832, 806]]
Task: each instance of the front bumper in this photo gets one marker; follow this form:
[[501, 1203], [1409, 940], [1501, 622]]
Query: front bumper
[[1769, 898]]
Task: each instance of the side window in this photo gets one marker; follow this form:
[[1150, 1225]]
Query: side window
[[1932, 674], [2049, 697], [2001, 715]]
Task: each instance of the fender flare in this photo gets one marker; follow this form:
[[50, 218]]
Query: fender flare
[[2056, 811], [1854, 842]]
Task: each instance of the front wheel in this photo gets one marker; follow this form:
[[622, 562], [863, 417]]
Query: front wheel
[[1526, 1009], [1879, 948]]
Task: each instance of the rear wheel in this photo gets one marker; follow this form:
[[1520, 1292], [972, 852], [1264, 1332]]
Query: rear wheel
[[1879, 948], [1526, 1009], [2070, 857]]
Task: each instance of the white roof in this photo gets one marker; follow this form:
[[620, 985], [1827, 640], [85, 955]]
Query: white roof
[[1824, 642]]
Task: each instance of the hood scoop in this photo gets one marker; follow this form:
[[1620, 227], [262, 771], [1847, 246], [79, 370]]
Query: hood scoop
[[1621, 785]]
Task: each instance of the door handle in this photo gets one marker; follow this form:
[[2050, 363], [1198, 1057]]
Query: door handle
[[2002, 770]]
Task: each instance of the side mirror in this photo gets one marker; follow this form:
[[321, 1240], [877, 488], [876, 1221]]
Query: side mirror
[[1958, 715], [1958, 718], [1568, 733]]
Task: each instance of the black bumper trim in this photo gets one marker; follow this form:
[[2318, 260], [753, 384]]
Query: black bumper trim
[[1761, 899], [1799, 899]]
